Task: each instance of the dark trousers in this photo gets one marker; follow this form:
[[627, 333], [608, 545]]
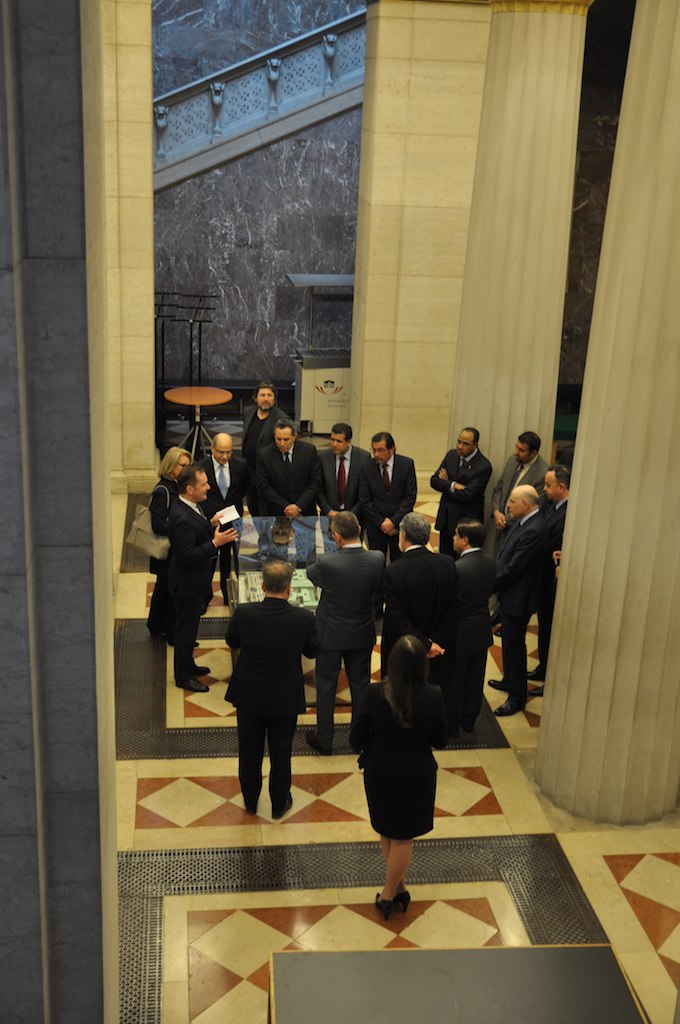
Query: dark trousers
[[514, 629], [188, 611], [466, 693], [161, 618], [446, 541], [252, 732], [227, 551], [378, 541], [546, 611], [358, 668]]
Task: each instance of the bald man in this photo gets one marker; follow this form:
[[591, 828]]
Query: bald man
[[518, 575], [229, 479]]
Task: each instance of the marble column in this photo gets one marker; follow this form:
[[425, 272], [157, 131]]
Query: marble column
[[58, 940], [422, 100], [609, 745], [509, 336], [124, 49]]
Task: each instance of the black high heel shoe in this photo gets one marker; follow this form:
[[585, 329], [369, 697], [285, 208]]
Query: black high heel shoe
[[402, 899], [386, 907]]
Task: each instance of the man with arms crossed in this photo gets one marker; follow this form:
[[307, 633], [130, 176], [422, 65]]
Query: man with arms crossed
[[267, 684], [461, 479], [349, 579]]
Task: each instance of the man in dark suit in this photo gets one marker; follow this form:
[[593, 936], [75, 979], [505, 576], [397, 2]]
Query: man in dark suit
[[341, 467], [288, 481], [474, 586], [267, 684], [194, 541], [517, 580], [229, 478], [461, 479], [349, 579], [387, 491], [419, 599], [557, 491], [525, 466], [258, 432]]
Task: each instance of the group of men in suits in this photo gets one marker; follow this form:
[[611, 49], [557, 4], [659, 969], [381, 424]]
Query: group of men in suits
[[442, 600]]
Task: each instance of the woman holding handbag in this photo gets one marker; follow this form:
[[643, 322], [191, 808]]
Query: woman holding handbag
[[161, 620]]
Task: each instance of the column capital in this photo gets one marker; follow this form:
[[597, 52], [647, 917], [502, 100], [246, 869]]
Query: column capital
[[542, 6]]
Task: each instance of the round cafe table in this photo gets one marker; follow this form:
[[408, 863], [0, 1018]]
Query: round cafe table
[[198, 395]]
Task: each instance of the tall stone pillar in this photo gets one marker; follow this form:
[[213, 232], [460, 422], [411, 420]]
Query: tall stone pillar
[[610, 737], [422, 100], [515, 273], [59, 935]]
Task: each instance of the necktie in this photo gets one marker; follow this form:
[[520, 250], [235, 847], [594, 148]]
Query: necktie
[[222, 482], [342, 480], [286, 458], [386, 478]]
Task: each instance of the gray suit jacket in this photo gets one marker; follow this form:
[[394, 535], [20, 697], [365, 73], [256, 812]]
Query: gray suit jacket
[[348, 579], [534, 476]]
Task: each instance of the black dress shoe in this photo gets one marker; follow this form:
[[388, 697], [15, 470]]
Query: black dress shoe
[[536, 691], [510, 707], [201, 670], [194, 685], [538, 675], [312, 742], [402, 899], [497, 684], [386, 907], [286, 807]]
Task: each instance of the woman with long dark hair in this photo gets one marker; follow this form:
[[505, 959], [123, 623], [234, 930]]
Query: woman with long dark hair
[[161, 620], [397, 724]]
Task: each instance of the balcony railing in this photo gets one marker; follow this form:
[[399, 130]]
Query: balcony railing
[[259, 100]]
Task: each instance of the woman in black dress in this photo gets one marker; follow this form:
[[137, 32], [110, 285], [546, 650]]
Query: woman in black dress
[[397, 724], [161, 620]]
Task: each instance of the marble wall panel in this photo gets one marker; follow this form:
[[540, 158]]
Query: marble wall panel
[[192, 39], [235, 232]]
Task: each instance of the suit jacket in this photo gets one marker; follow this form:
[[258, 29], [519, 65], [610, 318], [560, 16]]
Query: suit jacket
[[239, 475], [377, 503], [328, 495], [474, 586], [519, 566], [299, 485], [271, 635], [504, 484], [468, 503], [349, 579], [419, 599], [193, 552], [266, 436], [554, 524]]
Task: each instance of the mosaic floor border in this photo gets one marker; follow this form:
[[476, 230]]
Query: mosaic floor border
[[141, 731], [546, 893]]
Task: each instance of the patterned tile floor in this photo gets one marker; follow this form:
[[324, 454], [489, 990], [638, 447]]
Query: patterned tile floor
[[216, 946]]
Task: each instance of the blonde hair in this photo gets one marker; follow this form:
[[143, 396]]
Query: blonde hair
[[170, 460]]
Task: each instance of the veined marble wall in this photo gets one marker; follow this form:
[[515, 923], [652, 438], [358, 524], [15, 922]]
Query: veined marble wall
[[236, 232], [192, 39]]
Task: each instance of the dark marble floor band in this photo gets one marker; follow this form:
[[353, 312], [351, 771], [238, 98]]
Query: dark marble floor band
[[141, 730], [551, 903]]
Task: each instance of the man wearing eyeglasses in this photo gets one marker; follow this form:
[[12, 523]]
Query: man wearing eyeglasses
[[387, 491], [229, 479]]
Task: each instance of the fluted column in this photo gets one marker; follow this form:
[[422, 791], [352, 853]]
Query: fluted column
[[610, 737], [513, 291]]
